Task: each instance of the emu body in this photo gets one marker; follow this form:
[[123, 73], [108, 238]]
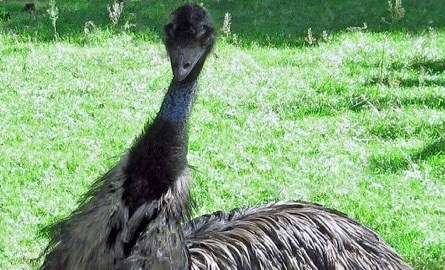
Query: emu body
[[131, 218], [286, 235]]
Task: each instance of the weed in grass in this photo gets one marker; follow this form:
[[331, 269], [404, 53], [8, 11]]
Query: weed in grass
[[396, 10], [357, 28], [226, 29], [361, 101], [128, 24], [115, 11], [227, 25], [53, 13], [310, 39], [88, 27], [325, 36]]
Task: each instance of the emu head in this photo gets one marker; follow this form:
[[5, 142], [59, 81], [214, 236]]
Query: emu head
[[189, 37]]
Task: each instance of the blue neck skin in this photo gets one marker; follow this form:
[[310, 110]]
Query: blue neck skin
[[178, 102]]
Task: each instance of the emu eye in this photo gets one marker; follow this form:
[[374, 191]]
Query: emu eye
[[203, 30], [169, 29], [197, 17]]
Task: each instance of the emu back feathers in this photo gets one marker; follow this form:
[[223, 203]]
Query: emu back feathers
[[292, 235]]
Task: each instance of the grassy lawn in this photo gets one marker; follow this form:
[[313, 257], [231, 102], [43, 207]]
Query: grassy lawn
[[355, 121]]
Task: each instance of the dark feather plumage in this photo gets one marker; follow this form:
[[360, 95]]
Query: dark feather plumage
[[292, 235], [132, 217]]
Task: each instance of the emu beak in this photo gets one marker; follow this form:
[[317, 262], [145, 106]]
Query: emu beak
[[184, 59]]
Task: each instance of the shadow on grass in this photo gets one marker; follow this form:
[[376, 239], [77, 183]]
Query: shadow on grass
[[416, 82], [430, 66], [424, 70], [430, 100], [272, 22], [409, 82], [396, 161], [435, 148]]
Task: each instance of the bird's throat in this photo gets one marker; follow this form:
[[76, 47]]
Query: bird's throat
[[178, 103]]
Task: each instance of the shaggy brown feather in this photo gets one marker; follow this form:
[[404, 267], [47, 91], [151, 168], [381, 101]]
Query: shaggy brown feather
[[292, 235]]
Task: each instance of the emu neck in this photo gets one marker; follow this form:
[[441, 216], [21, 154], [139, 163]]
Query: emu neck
[[158, 157], [177, 103]]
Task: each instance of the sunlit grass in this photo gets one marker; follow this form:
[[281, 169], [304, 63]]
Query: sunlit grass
[[356, 124]]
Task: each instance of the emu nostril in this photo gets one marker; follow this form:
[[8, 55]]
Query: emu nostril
[[186, 65]]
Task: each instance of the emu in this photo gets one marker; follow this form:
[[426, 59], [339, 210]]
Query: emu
[[136, 216]]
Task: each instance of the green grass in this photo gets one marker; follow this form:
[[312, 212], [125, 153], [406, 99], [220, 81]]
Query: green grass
[[356, 123]]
